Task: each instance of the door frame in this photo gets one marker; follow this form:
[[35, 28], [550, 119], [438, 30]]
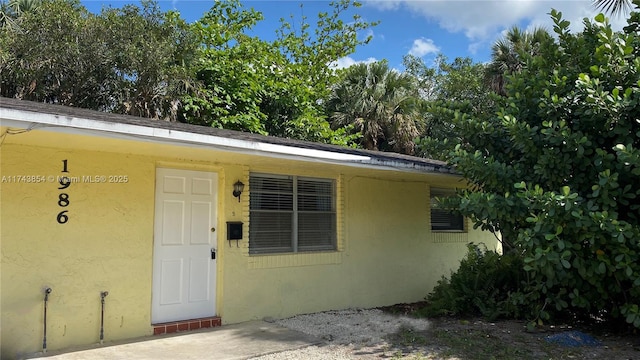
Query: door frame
[[219, 179]]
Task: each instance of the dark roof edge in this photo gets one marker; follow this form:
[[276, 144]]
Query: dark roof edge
[[376, 158]]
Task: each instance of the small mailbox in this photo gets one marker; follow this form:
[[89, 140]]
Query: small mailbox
[[234, 230]]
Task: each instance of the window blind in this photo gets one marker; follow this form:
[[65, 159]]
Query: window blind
[[443, 219], [291, 214]]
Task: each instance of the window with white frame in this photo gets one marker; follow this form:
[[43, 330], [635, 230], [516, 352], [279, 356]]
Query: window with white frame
[[291, 214], [441, 219]]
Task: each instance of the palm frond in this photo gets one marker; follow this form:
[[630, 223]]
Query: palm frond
[[613, 7], [372, 97]]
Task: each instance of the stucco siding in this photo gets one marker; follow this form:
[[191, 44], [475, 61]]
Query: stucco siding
[[385, 254], [105, 245]]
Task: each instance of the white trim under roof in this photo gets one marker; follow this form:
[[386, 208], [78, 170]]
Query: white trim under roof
[[76, 125]]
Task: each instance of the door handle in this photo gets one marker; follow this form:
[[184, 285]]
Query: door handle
[[213, 254]]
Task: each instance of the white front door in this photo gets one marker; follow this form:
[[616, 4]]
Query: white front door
[[184, 271]]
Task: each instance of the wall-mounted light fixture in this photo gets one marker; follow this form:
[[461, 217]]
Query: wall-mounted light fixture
[[237, 189]]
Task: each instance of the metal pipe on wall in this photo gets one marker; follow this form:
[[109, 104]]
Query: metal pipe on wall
[[47, 291], [103, 294]]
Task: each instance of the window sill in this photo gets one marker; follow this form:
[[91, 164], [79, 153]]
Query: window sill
[[283, 260], [450, 236]]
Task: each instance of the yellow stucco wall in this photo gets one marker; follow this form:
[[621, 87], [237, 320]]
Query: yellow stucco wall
[[386, 251], [103, 246]]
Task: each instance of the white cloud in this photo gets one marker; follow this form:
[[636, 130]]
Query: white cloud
[[369, 33], [476, 19], [347, 61], [386, 4], [482, 21], [422, 47], [475, 46]]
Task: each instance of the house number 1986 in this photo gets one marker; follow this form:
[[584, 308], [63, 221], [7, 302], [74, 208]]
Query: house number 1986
[[63, 197]]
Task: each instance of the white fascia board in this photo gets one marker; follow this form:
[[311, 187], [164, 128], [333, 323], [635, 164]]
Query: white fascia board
[[173, 136], [68, 124]]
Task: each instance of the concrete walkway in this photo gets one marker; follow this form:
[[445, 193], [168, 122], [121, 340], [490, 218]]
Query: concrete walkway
[[239, 341]]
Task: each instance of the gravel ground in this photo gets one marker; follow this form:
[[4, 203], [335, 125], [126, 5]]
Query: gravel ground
[[347, 334], [373, 334]]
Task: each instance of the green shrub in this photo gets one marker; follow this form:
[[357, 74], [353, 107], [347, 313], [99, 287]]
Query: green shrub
[[482, 286], [556, 171]]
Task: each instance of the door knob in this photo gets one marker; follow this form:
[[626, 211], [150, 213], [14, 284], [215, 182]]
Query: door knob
[[213, 229]]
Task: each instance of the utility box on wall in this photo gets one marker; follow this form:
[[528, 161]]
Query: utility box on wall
[[234, 230]]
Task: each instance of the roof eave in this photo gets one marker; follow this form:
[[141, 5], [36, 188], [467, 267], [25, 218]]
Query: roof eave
[[71, 124]]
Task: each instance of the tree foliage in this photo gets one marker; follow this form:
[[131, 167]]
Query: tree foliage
[[481, 286], [614, 7], [296, 106], [380, 104], [556, 172], [391, 110], [123, 60], [150, 53], [332, 38], [12, 10], [509, 52], [142, 61], [274, 87], [230, 69], [451, 86]]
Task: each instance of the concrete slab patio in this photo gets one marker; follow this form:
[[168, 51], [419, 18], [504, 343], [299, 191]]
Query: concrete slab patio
[[238, 341]]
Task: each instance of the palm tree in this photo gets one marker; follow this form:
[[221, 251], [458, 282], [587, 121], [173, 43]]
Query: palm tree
[[508, 55], [613, 7], [13, 9], [24, 6], [379, 103]]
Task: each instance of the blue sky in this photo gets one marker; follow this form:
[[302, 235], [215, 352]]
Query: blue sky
[[420, 27]]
